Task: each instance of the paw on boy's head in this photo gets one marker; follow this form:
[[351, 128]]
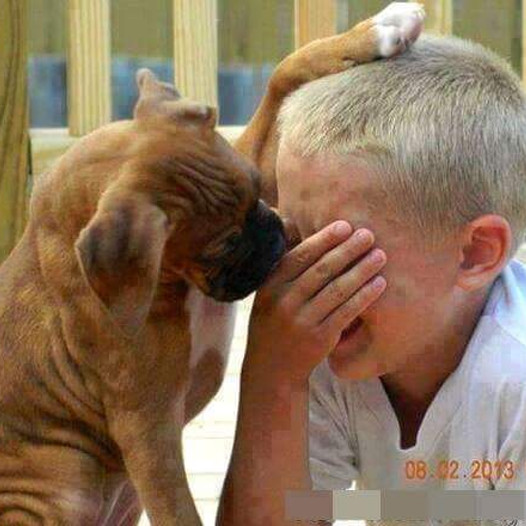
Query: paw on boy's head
[[427, 151]]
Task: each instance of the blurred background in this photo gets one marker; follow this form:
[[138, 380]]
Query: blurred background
[[253, 36]]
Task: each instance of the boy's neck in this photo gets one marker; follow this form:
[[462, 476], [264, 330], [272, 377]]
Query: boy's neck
[[412, 390]]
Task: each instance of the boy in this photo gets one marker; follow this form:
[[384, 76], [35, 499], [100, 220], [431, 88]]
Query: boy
[[404, 346]]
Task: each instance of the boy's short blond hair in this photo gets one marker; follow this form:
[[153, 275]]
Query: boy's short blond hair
[[444, 124]]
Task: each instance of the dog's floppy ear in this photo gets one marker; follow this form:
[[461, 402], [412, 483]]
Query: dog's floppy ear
[[160, 98], [120, 253], [150, 85]]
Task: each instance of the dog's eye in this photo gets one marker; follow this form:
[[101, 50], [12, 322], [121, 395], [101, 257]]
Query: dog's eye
[[222, 247], [233, 240]]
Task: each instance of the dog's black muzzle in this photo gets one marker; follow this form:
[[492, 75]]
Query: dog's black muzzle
[[261, 246]]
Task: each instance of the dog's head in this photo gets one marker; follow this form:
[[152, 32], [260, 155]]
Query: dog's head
[[182, 204]]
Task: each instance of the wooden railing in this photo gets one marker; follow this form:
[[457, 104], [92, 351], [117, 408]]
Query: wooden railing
[[13, 123], [195, 63], [89, 93]]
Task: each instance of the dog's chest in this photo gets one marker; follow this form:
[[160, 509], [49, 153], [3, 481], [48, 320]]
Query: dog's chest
[[211, 330]]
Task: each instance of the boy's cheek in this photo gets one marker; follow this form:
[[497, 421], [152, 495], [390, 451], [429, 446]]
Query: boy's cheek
[[400, 305], [399, 294]]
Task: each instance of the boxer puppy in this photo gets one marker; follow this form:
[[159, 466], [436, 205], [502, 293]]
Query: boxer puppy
[[115, 318]]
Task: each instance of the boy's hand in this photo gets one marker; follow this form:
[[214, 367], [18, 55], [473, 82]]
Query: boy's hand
[[310, 298]]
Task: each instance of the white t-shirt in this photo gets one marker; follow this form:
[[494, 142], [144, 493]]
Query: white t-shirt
[[478, 414]]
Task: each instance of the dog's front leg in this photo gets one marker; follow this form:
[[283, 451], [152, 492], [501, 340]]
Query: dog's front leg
[[151, 444]]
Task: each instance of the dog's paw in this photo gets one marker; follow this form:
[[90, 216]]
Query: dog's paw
[[398, 26]]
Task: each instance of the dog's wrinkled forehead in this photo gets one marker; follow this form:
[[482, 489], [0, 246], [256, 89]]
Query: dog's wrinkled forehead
[[181, 144]]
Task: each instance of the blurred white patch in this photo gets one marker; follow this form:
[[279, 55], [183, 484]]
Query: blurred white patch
[[398, 26], [211, 325]]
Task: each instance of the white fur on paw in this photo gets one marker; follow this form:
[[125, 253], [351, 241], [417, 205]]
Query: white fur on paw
[[398, 26]]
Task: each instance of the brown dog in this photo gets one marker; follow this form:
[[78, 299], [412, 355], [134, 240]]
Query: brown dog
[[111, 338]]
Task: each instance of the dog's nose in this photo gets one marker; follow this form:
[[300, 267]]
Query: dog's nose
[[264, 244]]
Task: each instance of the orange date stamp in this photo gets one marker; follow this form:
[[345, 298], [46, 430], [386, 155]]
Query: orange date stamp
[[453, 470]]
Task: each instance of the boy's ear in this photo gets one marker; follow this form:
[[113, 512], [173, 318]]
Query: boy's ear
[[120, 253], [486, 244]]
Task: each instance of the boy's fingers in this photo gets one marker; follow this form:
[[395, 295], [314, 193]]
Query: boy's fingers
[[341, 317], [301, 257], [342, 288], [323, 274]]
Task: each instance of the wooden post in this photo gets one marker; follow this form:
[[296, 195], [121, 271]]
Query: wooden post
[[439, 17], [313, 19], [13, 122], [195, 49], [523, 38], [89, 60]]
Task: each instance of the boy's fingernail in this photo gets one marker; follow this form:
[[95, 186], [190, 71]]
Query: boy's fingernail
[[378, 282], [363, 235], [342, 227], [377, 256]]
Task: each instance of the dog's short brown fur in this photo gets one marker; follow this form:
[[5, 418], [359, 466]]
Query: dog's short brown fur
[[110, 341]]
